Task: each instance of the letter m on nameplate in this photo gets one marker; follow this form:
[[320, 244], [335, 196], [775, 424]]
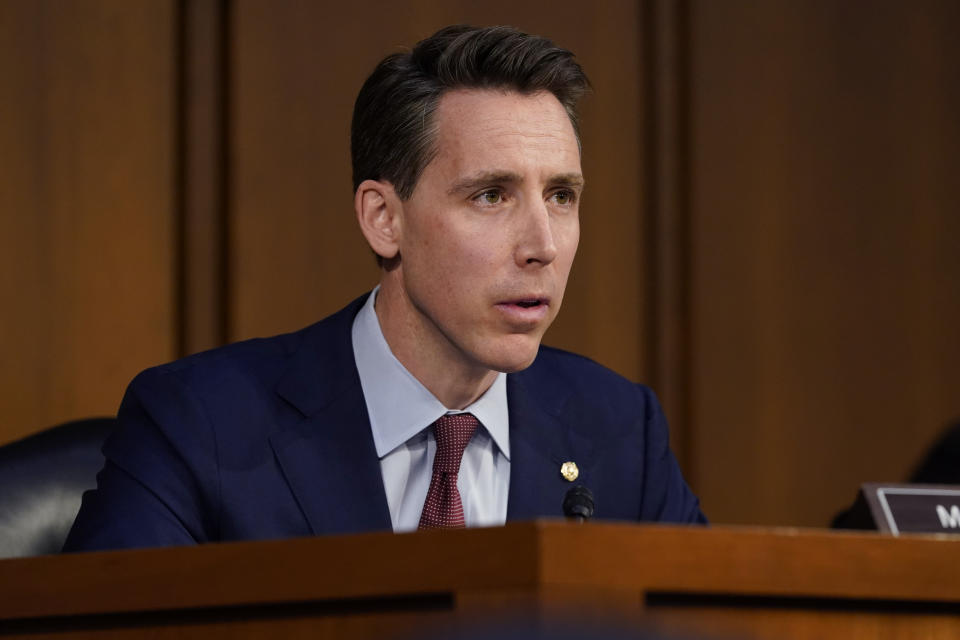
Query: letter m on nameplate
[[949, 519], [913, 508]]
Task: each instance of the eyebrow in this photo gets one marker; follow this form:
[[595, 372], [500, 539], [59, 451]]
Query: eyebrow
[[567, 180], [486, 178], [482, 179]]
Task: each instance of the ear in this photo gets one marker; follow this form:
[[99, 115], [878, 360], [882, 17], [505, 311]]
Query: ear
[[378, 211]]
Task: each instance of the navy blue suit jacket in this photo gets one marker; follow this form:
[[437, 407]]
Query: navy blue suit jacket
[[270, 438]]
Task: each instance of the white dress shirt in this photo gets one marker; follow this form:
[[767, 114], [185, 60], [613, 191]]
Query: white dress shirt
[[401, 409]]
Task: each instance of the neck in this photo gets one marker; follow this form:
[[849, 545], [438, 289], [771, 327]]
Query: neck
[[425, 352]]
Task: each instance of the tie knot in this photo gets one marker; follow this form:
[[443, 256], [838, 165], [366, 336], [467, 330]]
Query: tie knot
[[453, 432]]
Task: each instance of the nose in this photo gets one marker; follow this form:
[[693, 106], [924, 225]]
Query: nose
[[535, 236]]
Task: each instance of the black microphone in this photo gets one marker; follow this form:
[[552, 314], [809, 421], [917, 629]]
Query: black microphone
[[578, 504]]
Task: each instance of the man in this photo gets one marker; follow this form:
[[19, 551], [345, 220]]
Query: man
[[428, 403]]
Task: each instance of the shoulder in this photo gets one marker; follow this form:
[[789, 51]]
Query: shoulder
[[579, 373], [576, 384], [230, 398], [575, 368], [257, 362], [240, 375], [191, 400], [257, 357]]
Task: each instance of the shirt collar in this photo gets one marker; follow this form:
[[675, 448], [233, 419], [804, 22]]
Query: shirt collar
[[399, 406]]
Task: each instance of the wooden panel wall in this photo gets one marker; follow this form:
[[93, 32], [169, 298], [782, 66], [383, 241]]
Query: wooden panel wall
[[297, 254], [769, 228], [86, 224], [824, 157]]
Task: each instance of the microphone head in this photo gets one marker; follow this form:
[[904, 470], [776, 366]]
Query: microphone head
[[578, 503]]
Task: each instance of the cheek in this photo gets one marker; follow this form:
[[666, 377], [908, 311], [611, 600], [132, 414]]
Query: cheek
[[470, 253], [448, 262], [568, 241]]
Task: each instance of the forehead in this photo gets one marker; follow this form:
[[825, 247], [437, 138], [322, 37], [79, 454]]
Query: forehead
[[487, 129]]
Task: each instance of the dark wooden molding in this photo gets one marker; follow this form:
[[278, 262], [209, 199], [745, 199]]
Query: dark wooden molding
[[202, 173], [666, 139]]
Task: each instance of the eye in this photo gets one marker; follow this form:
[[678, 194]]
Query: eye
[[489, 197], [564, 196]]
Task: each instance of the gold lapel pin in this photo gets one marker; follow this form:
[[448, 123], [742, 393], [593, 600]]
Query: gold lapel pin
[[569, 471]]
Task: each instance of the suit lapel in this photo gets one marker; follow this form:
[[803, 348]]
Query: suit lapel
[[540, 442], [328, 458]]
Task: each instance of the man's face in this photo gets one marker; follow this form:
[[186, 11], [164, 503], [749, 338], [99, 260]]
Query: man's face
[[489, 233]]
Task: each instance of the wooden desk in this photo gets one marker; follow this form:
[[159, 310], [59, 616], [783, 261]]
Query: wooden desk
[[761, 583]]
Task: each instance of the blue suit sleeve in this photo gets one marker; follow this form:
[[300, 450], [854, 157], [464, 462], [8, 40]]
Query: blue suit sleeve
[[666, 496], [160, 482]]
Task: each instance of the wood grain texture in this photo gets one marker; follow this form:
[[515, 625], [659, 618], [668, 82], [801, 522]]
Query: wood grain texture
[[773, 623], [85, 205], [819, 273], [825, 261], [203, 173], [297, 252], [781, 582], [665, 145]]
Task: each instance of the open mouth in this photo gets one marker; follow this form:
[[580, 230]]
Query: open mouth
[[527, 312]]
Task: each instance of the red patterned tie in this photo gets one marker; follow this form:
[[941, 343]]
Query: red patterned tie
[[443, 508]]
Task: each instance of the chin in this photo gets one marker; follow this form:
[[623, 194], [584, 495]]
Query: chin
[[515, 355]]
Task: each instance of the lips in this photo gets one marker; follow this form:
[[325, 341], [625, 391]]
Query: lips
[[526, 304], [526, 310]]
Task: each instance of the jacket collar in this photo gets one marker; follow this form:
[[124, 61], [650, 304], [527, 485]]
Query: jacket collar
[[328, 457], [330, 461], [541, 440]]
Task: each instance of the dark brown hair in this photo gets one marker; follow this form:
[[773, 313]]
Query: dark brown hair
[[393, 130]]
